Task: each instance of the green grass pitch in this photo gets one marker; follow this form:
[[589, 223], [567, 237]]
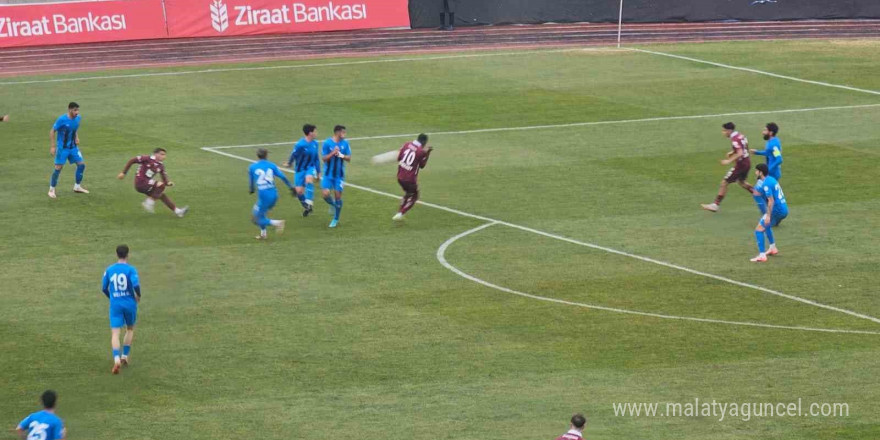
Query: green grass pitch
[[360, 331]]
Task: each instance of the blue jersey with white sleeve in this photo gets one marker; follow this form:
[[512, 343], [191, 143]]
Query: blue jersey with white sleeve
[[263, 174], [43, 425], [121, 283], [773, 153], [335, 167], [305, 155], [65, 131], [769, 188]]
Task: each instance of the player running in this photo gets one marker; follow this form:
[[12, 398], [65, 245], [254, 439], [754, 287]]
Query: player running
[[262, 178], [145, 183], [740, 171], [413, 156], [305, 155], [773, 153], [335, 153], [43, 425], [122, 286], [65, 148], [777, 209]]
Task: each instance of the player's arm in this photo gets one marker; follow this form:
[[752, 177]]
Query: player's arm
[[345, 157], [280, 175], [136, 285], [328, 153], [105, 285], [165, 177], [770, 202], [292, 157], [765, 152], [134, 160], [251, 176], [52, 146], [22, 432], [732, 158], [424, 161], [5, 118]]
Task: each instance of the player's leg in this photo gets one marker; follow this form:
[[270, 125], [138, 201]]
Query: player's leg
[[326, 185], [76, 157], [759, 237], [299, 185], [158, 192], [722, 191], [309, 194], [117, 321], [53, 181], [338, 186], [130, 317]]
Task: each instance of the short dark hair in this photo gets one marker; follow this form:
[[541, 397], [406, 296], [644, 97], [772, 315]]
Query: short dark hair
[[772, 127], [338, 128], [578, 421], [122, 251], [262, 153], [72, 106], [158, 150], [308, 128], [762, 167], [729, 126], [423, 139], [48, 398]]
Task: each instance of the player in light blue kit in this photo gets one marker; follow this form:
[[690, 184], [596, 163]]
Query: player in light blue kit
[[773, 152], [122, 286], [335, 153], [43, 425], [65, 148], [305, 155], [777, 210], [262, 178]]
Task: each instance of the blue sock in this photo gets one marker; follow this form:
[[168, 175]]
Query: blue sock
[[338, 209], [760, 237], [769, 231], [301, 198], [115, 353], [762, 205], [126, 349], [80, 169], [310, 191], [329, 201], [54, 181]]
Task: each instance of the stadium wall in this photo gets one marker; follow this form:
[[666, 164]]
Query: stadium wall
[[426, 13]]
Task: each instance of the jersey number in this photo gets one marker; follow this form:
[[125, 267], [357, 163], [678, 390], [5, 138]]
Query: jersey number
[[781, 195], [120, 283], [265, 178], [408, 158], [38, 431]]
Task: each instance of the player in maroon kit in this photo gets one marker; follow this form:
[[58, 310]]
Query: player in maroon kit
[[740, 171], [145, 182], [413, 156], [576, 430]]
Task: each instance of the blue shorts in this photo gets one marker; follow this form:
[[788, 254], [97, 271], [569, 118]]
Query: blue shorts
[[71, 155], [265, 202], [299, 178], [775, 218], [333, 183], [123, 315]]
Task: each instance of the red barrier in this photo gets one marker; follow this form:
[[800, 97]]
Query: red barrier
[[65, 23], [211, 18]]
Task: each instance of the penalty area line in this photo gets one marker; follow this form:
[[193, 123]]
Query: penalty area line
[[577, 124], [592, 246], [441, 257]]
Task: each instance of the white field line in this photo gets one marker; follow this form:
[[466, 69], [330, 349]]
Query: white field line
[[594, 246], [574, 124], [441, 257], [759, 72], [318, 65]]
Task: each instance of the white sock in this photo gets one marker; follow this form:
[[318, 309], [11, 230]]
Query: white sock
[[116, 359], [150, 202], [274, 223], [772, 245], [125, 357], [51, 188], [263, 232]]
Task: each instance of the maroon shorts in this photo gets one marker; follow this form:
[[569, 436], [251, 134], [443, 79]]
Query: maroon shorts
[[739, 172], [155, 190], [409, 187]]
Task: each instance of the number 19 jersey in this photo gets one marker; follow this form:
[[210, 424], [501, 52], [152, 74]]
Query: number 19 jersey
[[119, 282]]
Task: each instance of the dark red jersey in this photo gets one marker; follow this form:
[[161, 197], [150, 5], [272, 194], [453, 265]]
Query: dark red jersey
[[410, 160], [739, 143], [148, 169]]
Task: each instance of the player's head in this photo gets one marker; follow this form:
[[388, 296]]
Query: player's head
[[310, 131], [122, 252], [423, 139], [761, 170], [48, 398], [73, 109], [728, 128], [160, 154], [770, 131], [339, 131], [262, 153], [578, 421]]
